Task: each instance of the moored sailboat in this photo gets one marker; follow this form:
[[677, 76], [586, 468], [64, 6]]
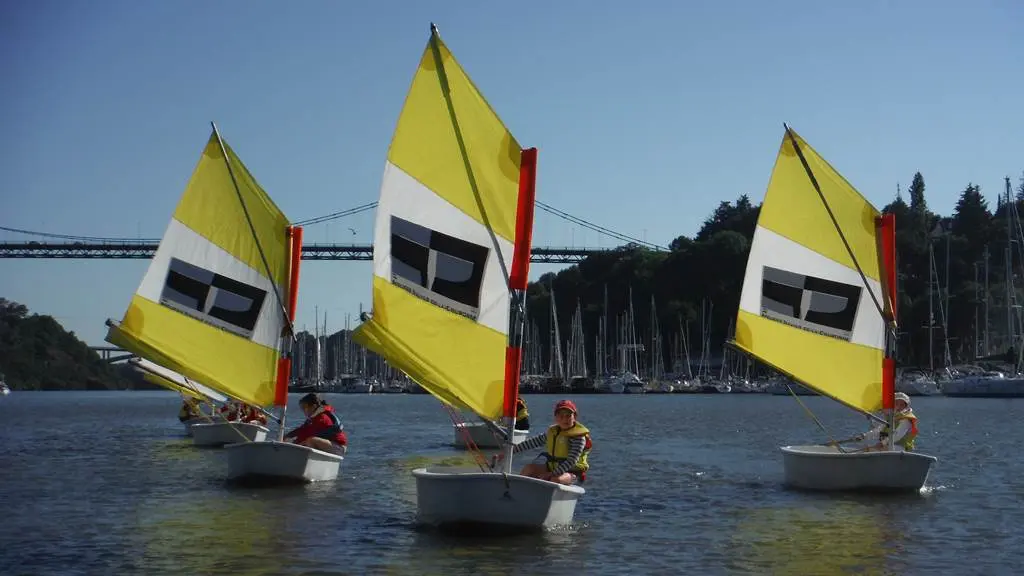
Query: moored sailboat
[[819, 305], [217, 302], [451, 261]]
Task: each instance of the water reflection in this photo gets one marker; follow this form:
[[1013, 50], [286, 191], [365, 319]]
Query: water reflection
[[437, 552], [831, 538], [225, 533]]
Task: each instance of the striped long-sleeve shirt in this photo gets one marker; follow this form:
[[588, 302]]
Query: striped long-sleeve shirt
[[576, 446]]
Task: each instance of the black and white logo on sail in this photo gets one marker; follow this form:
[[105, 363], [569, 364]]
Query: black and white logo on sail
[[212, 298], [814, 304], [441, 269]]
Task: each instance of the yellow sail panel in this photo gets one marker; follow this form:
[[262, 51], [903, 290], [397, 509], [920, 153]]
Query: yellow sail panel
[[208, 306], [453, 143], [445, 230], [804, 307], [849, 373], [225, 362], [211, 208], [446, 341], [793, 209]]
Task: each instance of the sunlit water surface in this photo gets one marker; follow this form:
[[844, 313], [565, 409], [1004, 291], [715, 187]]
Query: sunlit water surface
[[107, 483]]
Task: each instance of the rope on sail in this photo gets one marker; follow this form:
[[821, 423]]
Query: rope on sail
[[831, 439], [460, 425]]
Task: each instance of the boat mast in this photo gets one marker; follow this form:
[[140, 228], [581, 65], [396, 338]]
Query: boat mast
[[518, 279], [986, 301], [887, 223], [295, 232], [284, 365], [1009, 271]]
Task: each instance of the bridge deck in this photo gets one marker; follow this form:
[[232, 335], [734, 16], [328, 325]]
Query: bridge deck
[[145, 250]]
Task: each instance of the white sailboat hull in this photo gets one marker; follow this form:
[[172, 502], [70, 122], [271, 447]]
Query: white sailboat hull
[[454, 496], [482, 435], [826, 468], [221, 433], [283, 461]]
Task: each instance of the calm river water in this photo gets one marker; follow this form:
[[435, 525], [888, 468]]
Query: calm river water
[[106, 483]]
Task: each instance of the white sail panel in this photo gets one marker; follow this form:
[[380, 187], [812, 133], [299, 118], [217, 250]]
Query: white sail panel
[[199, 259], [803, 293], [404, 197]]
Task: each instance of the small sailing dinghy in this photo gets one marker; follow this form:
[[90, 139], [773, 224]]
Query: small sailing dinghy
[[819, 305], [217, 304], [176, 382], [455, 216]]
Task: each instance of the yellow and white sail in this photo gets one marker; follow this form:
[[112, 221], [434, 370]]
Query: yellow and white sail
[[445, 229], [171, 380], [805, 308], [206, 307]]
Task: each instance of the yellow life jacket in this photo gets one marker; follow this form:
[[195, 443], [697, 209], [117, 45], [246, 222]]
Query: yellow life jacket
[[521, 412], [908, 441], [557, 447], [188, 411]]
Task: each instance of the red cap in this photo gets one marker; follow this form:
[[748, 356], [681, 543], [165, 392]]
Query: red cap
[[567, 404]]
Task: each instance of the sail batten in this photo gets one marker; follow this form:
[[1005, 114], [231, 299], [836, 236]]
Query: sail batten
[[809, 304], [444, 238], [208, 306]]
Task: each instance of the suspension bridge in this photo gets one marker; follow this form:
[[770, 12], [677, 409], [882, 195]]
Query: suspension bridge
[[66, 246]]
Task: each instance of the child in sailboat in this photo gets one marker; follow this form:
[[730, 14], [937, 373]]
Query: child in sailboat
[[522, 414], [189, 410], [230, 410], [253, 415], [322, 429], [906, 428], [566, 445]]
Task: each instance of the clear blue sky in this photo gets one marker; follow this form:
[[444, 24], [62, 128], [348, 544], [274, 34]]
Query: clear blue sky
[[646, 114]]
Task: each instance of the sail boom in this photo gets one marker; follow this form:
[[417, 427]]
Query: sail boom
[[177, 382]]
